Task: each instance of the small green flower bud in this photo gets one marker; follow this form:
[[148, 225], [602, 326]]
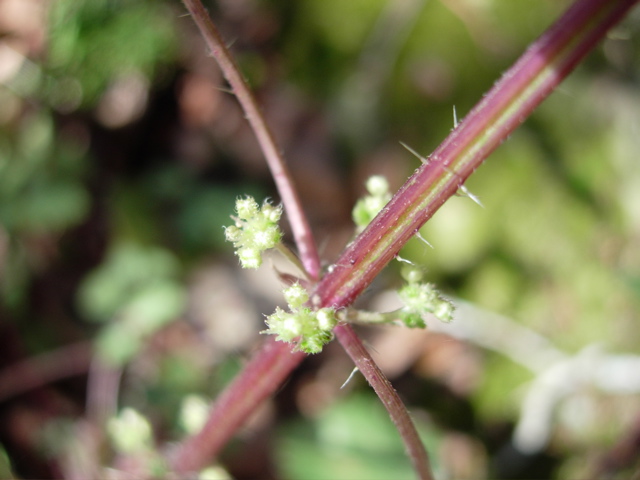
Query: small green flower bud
[[247, 208], [412, 320], [444, 311], [368, 206], [326, 318], [377, 185], [193, 413], [270, 213], [292, 326], [214, 473], [232, 233], [411, 273], [296, 296], [266, 238], [374, 205], [250, 257], [315, 343], [130, 432]]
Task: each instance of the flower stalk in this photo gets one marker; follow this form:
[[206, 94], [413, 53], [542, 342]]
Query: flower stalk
[[299, 225]]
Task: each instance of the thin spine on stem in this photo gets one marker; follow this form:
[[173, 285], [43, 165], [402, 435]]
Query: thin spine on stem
[[350, 377], [465, 191]]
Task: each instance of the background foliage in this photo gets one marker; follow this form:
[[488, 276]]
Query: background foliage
[[121, 155]]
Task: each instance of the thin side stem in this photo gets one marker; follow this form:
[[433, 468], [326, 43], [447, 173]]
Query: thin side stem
[[301, 231], [103, 388], [38, 371], [389, 398]]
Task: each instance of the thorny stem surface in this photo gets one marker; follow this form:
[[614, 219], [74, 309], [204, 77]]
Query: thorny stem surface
[[522, 88], [301, 231], [545, 64]]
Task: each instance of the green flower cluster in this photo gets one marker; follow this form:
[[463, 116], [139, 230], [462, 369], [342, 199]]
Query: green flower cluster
[[256, 230], [309, 329], [368, 206], [421, 299]]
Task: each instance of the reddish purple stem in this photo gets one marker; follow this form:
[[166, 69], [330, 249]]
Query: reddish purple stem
[[235, 405]]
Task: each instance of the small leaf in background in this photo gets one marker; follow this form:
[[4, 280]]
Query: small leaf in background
[[128, 270], [137, 292], [138, 36]]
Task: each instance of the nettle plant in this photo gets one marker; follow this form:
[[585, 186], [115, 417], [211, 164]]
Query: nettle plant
[[307, 326], [319, 304]]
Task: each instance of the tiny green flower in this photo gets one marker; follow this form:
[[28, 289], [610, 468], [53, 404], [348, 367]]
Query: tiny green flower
[[377, 186], [421, 299], [411, 273], [233, 233], [193, 413], [214, 473], [255, 230], [247, 208], [309, 329], [250, 257], [326, 318], [368, 206], [130, 432], [296, 296]]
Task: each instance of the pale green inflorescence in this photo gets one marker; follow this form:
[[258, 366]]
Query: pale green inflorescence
[[309, 329], [421, 299], [130, 432], [368, 206], [256, 230]]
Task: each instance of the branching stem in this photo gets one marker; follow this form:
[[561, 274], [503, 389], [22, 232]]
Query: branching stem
[[194, 452], [301, 231], [545, 64]]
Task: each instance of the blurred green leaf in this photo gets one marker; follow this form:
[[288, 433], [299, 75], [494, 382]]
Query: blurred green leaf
[[146, 311], [96, 41], [47, 207], [352, 439], [40, 179], [133, 276], [116, 344], [5, 465]]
